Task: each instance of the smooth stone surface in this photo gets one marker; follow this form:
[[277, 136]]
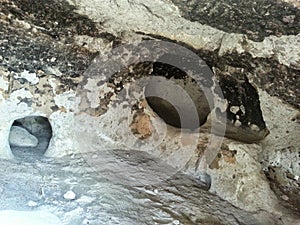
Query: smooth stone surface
[[12, 217], [20, 137]]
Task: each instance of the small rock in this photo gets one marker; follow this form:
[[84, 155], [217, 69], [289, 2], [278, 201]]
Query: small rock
[[70, 195], [20, 137], [176, 222], [32, 204], [34, 30], [204, 180]]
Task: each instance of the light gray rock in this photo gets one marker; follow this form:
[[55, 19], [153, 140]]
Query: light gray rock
[[37, 125], [32, 204], [12, 217], [268, 57], [70, 195], [20, 137], [177, 199]]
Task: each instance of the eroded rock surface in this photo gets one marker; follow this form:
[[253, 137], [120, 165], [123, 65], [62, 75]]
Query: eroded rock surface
[[258, 19], [46, 51], [103, 198]]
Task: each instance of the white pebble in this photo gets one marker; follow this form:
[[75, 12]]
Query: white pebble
[[34, 30], [70, 195], [176, 222], [53, 59], [32, 204]]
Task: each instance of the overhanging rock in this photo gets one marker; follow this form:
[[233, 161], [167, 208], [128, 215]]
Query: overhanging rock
[[50, 89], [47, 48], [98, 95]]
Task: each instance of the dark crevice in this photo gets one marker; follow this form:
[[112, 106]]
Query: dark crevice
[[277, 79], [172, 94], [41, 129]]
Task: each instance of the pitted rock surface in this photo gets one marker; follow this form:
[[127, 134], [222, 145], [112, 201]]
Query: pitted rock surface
[[46, 48], [257, 19]]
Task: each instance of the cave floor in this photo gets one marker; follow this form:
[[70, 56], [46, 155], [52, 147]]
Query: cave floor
[[122, 187]]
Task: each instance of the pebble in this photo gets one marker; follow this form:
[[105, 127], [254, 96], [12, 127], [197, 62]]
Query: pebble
[[176, 222], [70, 195], [32, 204], [204, 180]]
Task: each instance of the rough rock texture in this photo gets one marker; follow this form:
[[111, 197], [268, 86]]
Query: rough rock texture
[[46, 51], [270, 61], [103, 199], [272, 64], [256, 19], [280, 158]]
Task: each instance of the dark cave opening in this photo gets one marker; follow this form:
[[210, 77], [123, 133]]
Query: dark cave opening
[[30, 137], [176, 97]]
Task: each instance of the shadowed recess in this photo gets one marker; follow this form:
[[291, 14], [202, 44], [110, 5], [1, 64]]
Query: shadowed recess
[[29, 137], [176, 97]]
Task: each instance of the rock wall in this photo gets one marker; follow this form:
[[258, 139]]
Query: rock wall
[[50, 66]]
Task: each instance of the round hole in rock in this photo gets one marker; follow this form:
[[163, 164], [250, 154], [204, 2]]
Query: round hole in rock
[[30, 136], [176, 97]]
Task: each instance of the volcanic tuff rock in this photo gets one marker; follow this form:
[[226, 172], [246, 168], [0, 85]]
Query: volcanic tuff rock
[[48, 66]]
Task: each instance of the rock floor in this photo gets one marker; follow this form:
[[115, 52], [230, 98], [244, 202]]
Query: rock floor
[[39, 185]]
